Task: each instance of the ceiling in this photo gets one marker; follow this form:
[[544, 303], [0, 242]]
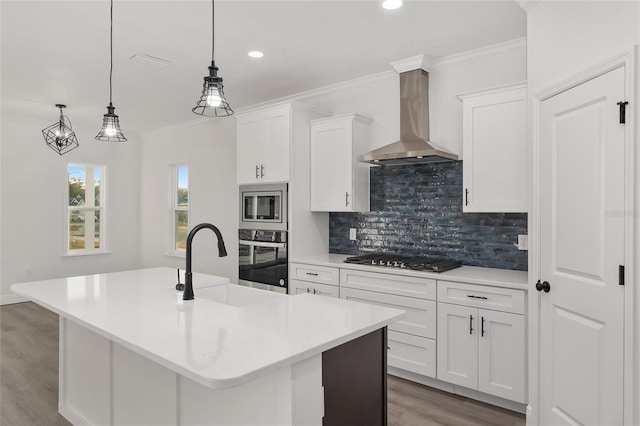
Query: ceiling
[[58, 51]]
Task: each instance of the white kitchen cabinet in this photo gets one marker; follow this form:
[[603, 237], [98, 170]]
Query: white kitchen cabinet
[[339, 183], [320, 280], [494, 145], [298, 287], [480, 348], [263, 145], [411, 340]]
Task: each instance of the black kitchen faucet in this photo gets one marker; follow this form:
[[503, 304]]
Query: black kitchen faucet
[[222, 252]]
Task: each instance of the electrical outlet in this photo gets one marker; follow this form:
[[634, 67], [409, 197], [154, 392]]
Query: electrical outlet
[[352, 234], [523, 242]]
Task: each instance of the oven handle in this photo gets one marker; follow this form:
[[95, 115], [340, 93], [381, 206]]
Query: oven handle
[[262, 244]]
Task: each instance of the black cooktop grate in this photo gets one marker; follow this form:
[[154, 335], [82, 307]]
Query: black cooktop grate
[[416, 263]]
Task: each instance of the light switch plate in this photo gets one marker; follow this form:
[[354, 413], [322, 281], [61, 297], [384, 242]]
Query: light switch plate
[[523, 242], [352, 234]]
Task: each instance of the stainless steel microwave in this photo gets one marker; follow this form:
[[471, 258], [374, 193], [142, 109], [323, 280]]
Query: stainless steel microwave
[[264, 207]]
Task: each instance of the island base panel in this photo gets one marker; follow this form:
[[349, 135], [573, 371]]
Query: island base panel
[[354, 376]]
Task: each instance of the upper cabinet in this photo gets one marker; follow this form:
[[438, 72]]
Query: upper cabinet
[[339, 183], [494, 170], [264, 145]]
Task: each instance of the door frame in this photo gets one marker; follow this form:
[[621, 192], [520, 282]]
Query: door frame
[[631, 350]]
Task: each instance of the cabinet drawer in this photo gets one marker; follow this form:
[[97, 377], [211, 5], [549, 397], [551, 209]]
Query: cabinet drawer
[[421, 314], [422, 288], [411, 353], [494, 298], [299, 287], [316, 274]]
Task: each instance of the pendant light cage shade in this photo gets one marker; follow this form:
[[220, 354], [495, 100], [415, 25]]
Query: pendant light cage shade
[[213, 103], [60, 136], [110, 131]]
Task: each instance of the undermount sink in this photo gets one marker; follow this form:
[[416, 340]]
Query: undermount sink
[[236, 295]]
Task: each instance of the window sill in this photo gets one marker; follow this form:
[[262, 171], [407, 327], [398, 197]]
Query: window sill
[[86, 253], [178, 254]]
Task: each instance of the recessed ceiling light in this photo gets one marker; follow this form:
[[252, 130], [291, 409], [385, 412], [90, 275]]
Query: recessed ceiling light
[[392, 4], [256, 54]]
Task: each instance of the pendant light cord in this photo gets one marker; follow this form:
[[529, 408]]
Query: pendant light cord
[[111, 55], [213, 25]]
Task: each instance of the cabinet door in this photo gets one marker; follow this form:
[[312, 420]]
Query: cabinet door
[[495, 152], [420, 319], [501, 369], [331, 166], [276, 160], [250, 144], [300, 287], [457, 345]]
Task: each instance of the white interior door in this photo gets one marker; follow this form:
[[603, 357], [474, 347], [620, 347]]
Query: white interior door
[[581, 247]]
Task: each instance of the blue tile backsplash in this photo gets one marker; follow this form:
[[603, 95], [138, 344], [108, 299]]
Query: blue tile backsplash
[[417, 210]]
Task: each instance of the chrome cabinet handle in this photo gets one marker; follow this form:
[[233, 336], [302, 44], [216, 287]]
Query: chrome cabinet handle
[[257, 172], [312, 273], [314, 291], [346, 199], [308, 291], [470, 324], [482, 328], [261, 170]]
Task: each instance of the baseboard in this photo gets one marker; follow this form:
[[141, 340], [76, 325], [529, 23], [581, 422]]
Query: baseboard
[[72, 416], [7, 299], [458, 390]]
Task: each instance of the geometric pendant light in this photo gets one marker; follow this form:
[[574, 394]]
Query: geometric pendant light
[[110, 131], [212, 102], [60, 136]]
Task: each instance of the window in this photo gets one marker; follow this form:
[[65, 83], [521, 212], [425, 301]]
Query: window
[[85, 209], [180, 207]]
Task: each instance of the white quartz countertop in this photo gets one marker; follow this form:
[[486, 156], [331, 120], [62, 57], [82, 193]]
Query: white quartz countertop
[[467, 274], [228, 335]]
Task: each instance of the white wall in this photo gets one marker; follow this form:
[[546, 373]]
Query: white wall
[[34, 191], [208, 147], [565, 38]]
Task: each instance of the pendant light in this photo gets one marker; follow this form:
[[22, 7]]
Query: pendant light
[[110, 131], [60, 136], [212, 103]]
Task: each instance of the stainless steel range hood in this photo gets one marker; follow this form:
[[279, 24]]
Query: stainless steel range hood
[[413, 146]]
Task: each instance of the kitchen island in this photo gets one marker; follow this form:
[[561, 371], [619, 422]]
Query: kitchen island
[[133, 352]]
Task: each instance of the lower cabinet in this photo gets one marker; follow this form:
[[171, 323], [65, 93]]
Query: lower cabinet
[[411, 343], [482, 349], [411, 353], [469, 335], [297, 287]]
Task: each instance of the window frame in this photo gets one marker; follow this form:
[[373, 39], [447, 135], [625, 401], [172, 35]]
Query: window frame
[[101, 209], [174, 208]]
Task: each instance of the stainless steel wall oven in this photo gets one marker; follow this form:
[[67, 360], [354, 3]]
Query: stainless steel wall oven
[[262, 237]]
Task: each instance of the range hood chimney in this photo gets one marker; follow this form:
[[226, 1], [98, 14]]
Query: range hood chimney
[[413, 146]]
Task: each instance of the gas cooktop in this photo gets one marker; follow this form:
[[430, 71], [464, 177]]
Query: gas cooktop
[[420, 263]]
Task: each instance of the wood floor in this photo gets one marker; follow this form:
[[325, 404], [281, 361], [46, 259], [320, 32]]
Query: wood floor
[[29, 382]]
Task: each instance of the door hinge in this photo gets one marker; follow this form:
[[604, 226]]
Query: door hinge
[[620, 274], [623, 110]]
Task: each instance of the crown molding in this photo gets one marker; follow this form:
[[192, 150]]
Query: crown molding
[[491, 50], [527, 5], [413, 63]]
